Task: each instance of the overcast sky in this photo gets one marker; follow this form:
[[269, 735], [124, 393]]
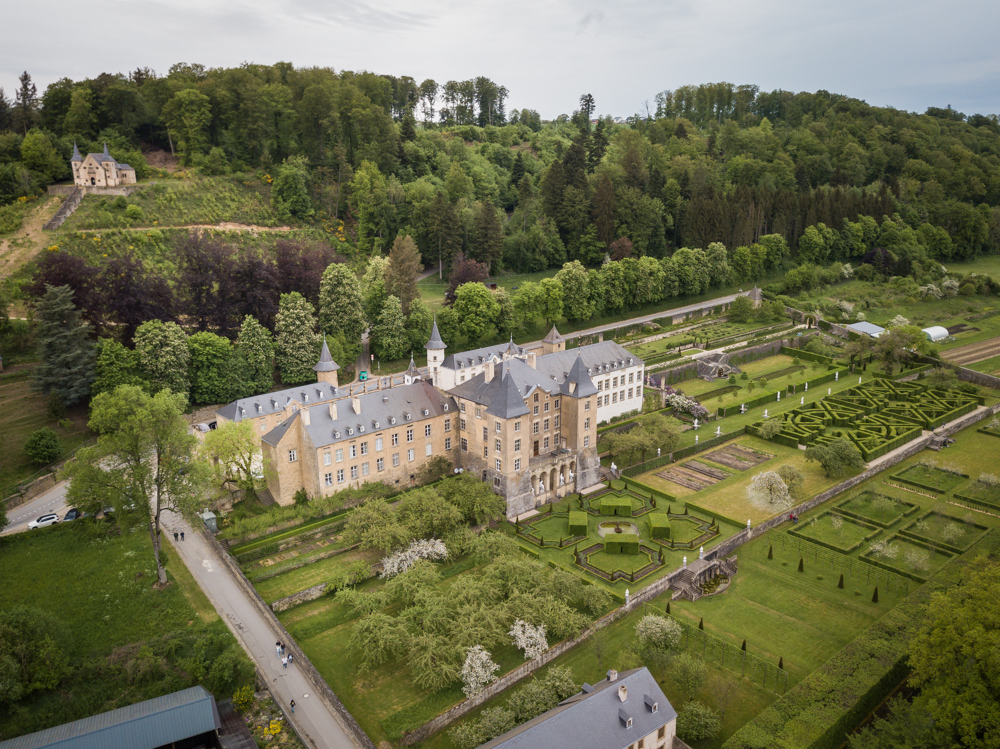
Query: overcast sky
[[908, 55]]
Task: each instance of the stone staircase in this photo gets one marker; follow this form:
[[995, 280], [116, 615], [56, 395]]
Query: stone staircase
[[684, 586], [66, 209]]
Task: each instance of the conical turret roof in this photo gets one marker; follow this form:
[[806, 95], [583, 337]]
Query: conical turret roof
[[326, 362], [578, 374], [553, 336], [412, 370], [435, 343], [76, 153]]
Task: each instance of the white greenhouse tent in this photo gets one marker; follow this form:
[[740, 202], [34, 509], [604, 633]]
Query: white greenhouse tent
[[935, 333]]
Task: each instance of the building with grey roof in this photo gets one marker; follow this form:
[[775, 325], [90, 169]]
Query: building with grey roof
[[100, 169], [624, 711], [185, 718], [866, 328]]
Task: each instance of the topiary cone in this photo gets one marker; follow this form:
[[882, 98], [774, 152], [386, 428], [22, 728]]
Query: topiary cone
[[875, 595], [668, 607], [744, 648], [840, 584], [770, 552], [802, 567], [781, 663], [701, 623]]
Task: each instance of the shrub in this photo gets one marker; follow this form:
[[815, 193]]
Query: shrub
[[658, 632], [42, 447], [133, 212], [697, 722]]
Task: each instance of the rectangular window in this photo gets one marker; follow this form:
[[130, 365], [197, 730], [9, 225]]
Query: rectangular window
[[586, 405], [380, 464], [545, 426], [410, 455], [428, 449], [486, 434], [586, 441], [614, 383], [326, 458], [546, 406], [409, 434], [328, 479], [353, 451], [395, 439], [662, 733], [534, 428], [364, 448], [292, 456], [517, 426], [378, 444], [517, 446], [631, 377], [479, 412], [263, 425], [465, 445], [586, 423], [614, 397], [517, 465], [534, 410], [545, 444], [607, 384], [498, 427], [364, 469], [461, 406], [486, 451], [621, 395], [340, 455], [462, 425], [427, 430], [557, 422], [447, 443], [630, 392], [557, 404], [447, 425], [607, 399], [497, 446], [340, 476], [354, 472], [536, 397], [600, 386], [395, 460], [498, 464]]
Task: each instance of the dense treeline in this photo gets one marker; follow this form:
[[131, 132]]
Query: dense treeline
[[448, 165]]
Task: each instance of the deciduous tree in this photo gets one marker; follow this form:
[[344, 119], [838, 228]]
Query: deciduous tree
[[164, 356], [297, 345]]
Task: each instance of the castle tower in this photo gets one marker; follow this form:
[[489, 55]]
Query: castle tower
[[412, 374], [553, 342], [435, 353], [76, 162], [326, 368]]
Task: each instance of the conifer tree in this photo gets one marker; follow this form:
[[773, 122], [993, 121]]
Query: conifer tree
[[66, 367], [255, 346], [488, 246], [341, 307], [297, 344], [402, 271]]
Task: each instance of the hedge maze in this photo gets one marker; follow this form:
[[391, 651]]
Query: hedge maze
[[877, 416]]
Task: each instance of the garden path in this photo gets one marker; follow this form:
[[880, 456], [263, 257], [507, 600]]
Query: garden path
[[314, 720]]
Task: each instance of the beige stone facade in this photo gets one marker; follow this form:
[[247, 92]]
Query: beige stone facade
[[100, 170]]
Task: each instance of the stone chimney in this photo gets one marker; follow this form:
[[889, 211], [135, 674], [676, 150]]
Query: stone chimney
[[333, 411], [305, 416], [356, 404], [612, 675], [532, 359], [622, 692], [489, 370]]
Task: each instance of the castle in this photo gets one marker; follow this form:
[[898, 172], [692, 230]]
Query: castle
[[523, 419]]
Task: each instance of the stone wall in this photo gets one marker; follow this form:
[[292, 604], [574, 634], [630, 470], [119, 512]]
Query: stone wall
[[303, 596], [124, 190], [977, 378], [302, 662]]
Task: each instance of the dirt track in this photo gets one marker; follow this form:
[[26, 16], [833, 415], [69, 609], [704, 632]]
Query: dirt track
[[973, 352]]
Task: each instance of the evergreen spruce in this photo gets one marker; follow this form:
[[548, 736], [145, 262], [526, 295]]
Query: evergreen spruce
[[668, 607], [66, 366], [297, 344]]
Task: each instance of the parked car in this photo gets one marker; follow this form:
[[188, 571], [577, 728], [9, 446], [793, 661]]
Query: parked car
[[44, 520], [74, 514]]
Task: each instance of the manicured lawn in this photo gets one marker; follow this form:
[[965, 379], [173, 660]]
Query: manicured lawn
[[878, 507], [125, 640], [837, 530], [928, 475], [909, 556], [23, 411], [432, 289], [949, 529], [312, 574]]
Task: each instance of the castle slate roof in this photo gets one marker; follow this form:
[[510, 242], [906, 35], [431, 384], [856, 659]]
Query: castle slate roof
[[274, 436], [157, 722], [596, 717], [269, 403], [578, 375], [504, 395], [755, 295], [553, 336], [76, 153], [479, 356], [598, 358], [435, 343], [326, 362], [379, 410]]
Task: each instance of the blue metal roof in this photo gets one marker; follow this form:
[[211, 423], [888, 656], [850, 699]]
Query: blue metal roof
[[144, 725]]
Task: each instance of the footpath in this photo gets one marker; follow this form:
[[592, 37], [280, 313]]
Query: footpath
[[315, 720]]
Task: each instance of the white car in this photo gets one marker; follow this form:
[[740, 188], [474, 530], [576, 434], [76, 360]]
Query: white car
[[44, 520]]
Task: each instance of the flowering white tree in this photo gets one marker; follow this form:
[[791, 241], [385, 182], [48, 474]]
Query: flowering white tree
[[658, 632], [768, 492], [847, 270], [930, 290], [479, 670], [529, 638], [950, 287], [400, 561], [884, 549], [897, 321], [684, 404]]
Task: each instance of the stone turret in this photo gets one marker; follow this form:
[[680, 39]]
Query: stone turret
[[326, 368], [553, 342], [412, 374], [435, 352]]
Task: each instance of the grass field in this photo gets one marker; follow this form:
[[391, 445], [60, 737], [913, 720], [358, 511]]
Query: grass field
[[23, 411], [312, 574], [843, 532], [124, 640]]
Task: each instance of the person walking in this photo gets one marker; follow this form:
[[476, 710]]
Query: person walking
[[175, 536], [182, 535], [290, 656], [292, 705], [284, 662], [277, 648]]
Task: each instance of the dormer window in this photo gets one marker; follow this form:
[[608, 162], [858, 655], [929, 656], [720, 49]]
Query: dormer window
[[392, 419], [426, 412], [243, 411], [305, 397], [350, 430], [407, 416], [444, 407], [377, 425], [361, 427], [652, 704]]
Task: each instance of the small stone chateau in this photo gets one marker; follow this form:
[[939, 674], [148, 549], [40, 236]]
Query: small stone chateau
[[524, 419], [100, 170]]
